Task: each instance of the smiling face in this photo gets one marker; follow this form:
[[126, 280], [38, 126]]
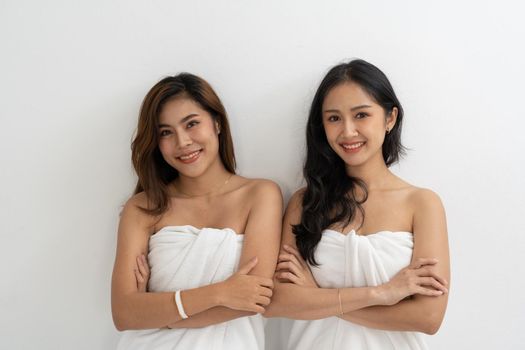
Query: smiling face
[[188, 137], [355, 124]]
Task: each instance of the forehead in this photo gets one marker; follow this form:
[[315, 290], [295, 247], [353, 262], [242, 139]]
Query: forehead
[[178, 108], [347, 95]]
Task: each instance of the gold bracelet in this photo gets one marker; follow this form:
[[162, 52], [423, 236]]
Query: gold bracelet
[[340, 303]]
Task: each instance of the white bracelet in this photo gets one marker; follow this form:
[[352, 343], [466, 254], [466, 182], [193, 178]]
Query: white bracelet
[[180, 308]]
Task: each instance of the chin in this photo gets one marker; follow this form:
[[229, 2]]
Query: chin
[[353, 164], [354, 161], [193, 173]]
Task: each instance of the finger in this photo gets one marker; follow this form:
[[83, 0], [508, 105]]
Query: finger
[[429, 292], [419, 262], [252, 307], [292, 267], [265, 282], [258, 308], [290, 277], [286, 265], [262, 300], [267, 292], [428, 272], [247, 267], [296, 254], [145, 263], [138, 276], [429, 281], [142, 269], [283, 256], [291, 258]]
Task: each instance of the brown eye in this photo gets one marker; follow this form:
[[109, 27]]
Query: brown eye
[[192, 124], [164, 133], [333, 118], [361, 115]]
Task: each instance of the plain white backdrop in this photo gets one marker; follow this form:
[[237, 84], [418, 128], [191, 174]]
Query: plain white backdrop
[[72, 78]]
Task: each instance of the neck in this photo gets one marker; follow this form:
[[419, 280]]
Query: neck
[[212, 180], [374, 172]]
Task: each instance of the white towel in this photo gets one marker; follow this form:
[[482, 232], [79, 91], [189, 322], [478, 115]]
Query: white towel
[[183, 257], [356, 261]]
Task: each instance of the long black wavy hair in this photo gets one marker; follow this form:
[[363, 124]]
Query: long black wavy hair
[[330, 194]]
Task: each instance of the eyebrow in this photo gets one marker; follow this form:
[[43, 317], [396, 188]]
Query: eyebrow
[[351, 109], [184, 120]]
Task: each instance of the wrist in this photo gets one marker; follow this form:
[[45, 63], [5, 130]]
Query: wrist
[[180, 307], [217, 293], [378, 295]]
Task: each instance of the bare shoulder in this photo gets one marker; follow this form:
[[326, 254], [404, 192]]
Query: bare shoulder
[[296, 200], [428, 213], [295, 206], [424, 199], [135, 202], [133, 213], [263, 189]]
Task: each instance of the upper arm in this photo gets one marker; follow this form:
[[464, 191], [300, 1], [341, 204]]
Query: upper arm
[[133, 235], [431, 238], [263, 229], [292, 216]]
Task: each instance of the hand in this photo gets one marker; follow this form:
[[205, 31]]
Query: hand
[[142, 273], [245, 292], [417, 278], [292, 268]]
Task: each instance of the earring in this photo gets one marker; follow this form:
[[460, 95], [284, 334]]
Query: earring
[[387, 131]]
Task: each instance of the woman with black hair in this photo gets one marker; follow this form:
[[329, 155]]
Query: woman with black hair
[[364, 262]]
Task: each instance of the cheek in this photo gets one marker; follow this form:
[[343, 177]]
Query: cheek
[[207, 136], [331, 133], [164, 147], [215, 142], [375, 129]]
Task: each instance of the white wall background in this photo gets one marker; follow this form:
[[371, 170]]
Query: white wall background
[[72, 77]]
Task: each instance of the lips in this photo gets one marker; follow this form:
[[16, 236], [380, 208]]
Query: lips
[[352, 147], [190, 157]]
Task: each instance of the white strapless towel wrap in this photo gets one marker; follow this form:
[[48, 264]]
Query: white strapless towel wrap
[[184, 257], [356, 261]]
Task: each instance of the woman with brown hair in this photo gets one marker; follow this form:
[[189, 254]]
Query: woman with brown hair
[[196, 221]]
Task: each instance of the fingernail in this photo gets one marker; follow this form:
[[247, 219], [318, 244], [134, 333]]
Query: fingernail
[[286, 246]]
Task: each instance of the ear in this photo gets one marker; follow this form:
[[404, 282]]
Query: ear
[[391, 119], [217, 127]]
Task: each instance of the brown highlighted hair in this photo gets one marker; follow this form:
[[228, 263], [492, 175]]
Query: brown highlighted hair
[[154, 173]]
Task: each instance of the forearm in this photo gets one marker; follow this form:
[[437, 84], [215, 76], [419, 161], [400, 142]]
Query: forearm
[[416, 314], [210, 317], [304, 303], [157, 310]]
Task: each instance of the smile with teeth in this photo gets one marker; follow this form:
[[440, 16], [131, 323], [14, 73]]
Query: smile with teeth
[[189, 156], [353, 145]]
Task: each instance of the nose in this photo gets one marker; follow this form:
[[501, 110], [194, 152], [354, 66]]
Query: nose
[[183, 139], [350, 128]]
